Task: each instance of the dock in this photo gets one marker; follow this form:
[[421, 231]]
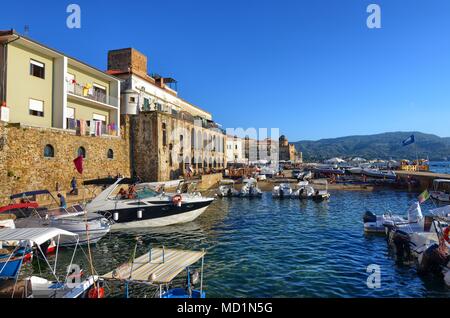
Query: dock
[[425, 178]]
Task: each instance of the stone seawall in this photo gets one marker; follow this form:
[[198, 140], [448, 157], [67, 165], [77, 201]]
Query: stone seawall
[[23, 166]]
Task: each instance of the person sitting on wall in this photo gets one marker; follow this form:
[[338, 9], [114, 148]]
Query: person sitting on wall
[[73, 185]]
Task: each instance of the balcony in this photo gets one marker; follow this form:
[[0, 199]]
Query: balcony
[[89, 129], [95, 96]]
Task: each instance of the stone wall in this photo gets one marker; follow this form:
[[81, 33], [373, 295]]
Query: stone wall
[[164, 145], [23, 166]]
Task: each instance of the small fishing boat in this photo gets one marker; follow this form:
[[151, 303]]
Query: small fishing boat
[[250, 188], [158, 268], [90, 227], [441, 190], [141, 206], [13, 285], [283, 190], [226, 189]]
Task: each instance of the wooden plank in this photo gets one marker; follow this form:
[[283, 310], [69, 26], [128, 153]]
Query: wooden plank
[[175, 261]]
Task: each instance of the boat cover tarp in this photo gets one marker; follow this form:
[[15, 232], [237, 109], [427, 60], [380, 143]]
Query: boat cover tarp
[[29, 194], [150, 267], [36, 235]]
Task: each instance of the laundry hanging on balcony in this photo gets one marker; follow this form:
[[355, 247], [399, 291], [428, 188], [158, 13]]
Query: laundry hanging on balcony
[[88, 89], [97, 128]]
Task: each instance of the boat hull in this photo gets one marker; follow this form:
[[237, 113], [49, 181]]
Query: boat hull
[[155, 216]]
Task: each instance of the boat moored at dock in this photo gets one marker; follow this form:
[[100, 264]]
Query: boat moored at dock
[[141, 206]]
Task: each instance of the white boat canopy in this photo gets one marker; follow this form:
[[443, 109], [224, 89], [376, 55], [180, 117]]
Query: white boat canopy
[[35, 235], [358, 159], [335, 160], [441, 181], [159, 266]]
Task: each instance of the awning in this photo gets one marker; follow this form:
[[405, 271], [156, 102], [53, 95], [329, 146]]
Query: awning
[[29, 194], [35, 235], [153, 268]]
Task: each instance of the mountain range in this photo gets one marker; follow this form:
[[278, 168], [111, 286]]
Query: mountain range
[[380, 146]]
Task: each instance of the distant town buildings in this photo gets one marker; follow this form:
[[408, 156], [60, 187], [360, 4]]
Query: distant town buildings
[[235, 150]]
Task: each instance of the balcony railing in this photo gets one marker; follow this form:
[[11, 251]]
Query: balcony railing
[[89, 129], [87, 92]]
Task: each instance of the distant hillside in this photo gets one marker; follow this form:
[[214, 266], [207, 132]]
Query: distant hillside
[[380, 146]]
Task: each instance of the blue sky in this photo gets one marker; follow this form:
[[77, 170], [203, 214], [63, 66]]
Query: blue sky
[[311, 68]]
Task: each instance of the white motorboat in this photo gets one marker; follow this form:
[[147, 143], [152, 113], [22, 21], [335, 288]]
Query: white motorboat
[[89, 227], [226, 189], [441, 190], [141, 206], [303, 190], [69, 285], [376, 173], [250, 188], [355, 170], [282, 190], [377, 223], [413, 237]]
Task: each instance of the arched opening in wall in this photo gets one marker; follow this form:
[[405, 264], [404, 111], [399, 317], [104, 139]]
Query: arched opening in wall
[[81, 152], [215, 164], [110, 154], [164, 134], [49, 151], [192, 138], [170, 155], [198, 144], [205, 141]]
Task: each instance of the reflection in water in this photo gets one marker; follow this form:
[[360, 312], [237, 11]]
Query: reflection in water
[[260, 247]]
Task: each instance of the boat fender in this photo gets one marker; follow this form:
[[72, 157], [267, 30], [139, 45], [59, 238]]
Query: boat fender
[[446, 234], [98, 292], [176, 200]]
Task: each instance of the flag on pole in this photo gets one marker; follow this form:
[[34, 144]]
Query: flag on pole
[[408, 141], [425, 195], [78, 162]]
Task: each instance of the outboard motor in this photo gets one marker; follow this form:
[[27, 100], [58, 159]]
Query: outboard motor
[[432, 261], [369, 217]]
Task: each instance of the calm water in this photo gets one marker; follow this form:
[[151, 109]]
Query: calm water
[[284, 248], [440, 166]]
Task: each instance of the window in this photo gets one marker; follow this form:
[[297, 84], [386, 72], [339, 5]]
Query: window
[[49, 151], [36, 107], [70, 113], [37, 69], [81, 152], [132, 99], [164, 134], [146, 105], [110, 154], [98, 117], [99, 93]]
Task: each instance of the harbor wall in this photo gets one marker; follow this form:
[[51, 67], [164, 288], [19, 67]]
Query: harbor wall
[[23, 166], [210, 181]]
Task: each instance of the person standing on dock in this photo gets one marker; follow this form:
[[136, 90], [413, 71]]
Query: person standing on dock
[[73, 185], [62, 201]]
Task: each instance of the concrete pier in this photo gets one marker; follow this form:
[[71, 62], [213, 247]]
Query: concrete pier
[[425, 178]]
